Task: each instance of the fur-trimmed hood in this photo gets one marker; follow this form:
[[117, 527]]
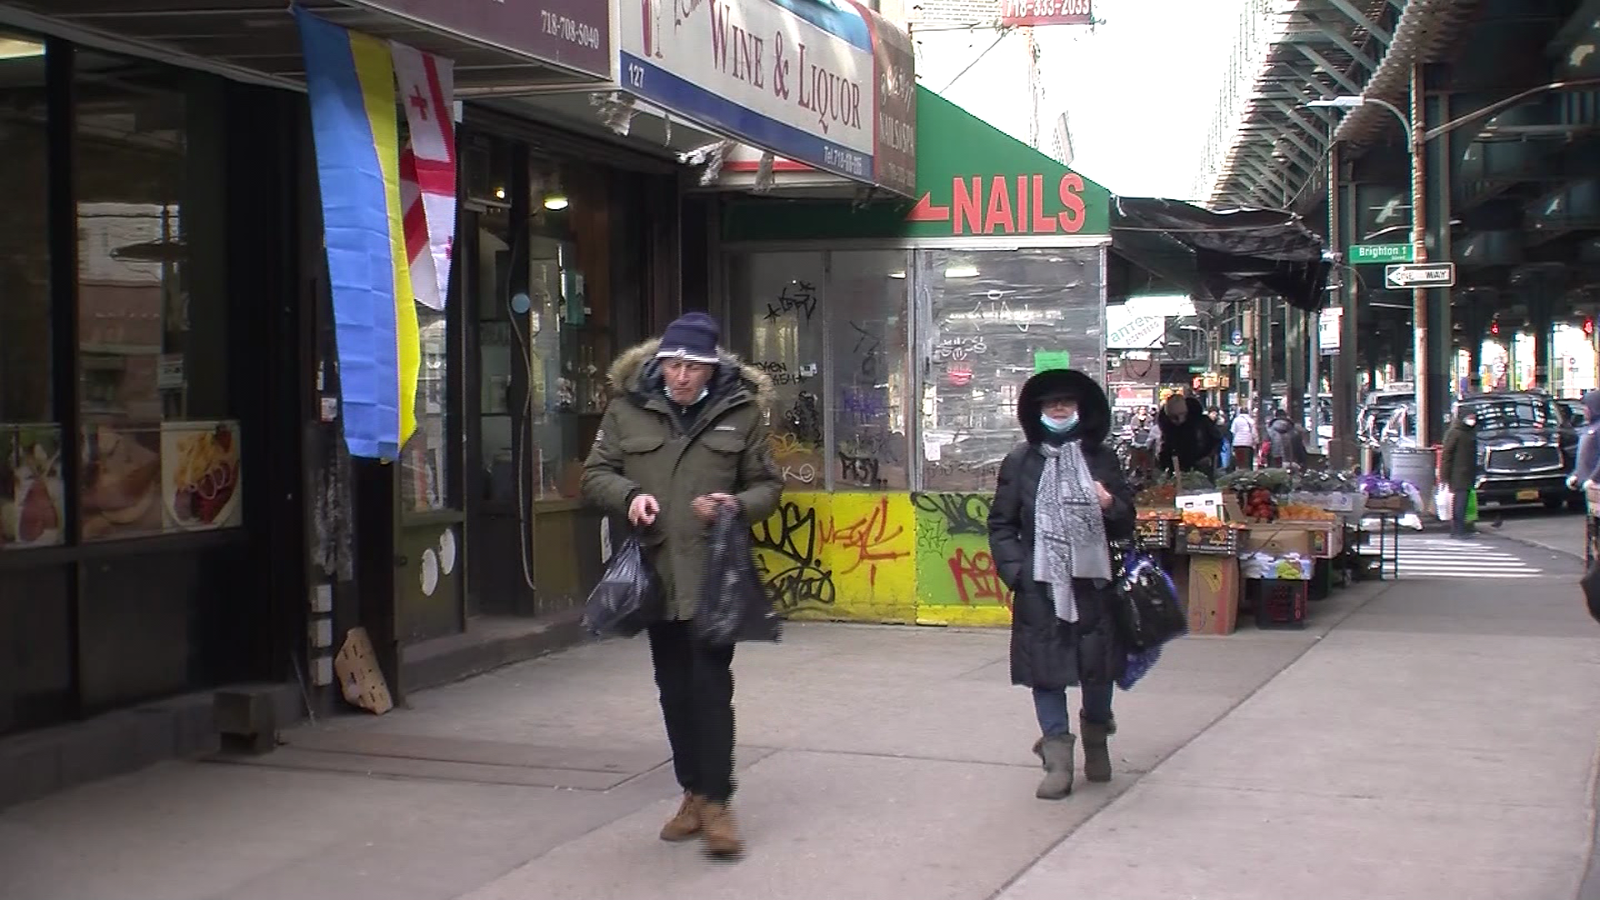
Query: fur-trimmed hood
[[637, 372], [1094, 409]]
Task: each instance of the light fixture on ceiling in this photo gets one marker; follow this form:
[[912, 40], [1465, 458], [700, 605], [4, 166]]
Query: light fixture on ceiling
[[499, 193], [555, 201], [17, 48], [900, 275], [961, 272]]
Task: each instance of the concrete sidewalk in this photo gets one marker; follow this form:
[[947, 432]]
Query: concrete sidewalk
[[1439, 743], [1557, 532], [1439, 737]]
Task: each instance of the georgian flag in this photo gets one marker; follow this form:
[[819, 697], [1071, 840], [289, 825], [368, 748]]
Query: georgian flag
[[428, 170]]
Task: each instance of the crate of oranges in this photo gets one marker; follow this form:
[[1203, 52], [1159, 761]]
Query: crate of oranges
[[1202, 534]]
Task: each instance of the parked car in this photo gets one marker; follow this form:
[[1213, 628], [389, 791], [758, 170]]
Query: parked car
[[1526, 448], [1397, 432], [1375, 413]]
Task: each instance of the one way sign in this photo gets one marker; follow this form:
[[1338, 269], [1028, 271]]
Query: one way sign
[[1419, 275]]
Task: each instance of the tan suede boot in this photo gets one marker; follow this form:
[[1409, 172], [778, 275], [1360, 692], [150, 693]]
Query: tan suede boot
[[687, 821], [720, 832]]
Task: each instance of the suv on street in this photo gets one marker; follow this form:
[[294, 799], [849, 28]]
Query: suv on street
[[1525, 449]]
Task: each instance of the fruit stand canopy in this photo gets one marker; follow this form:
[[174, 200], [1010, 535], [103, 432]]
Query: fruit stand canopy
[[1168, 246]]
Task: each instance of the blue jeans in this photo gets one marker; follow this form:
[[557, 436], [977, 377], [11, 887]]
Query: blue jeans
[[1051, 707]]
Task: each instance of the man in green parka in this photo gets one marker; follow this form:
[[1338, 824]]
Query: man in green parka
[[685, 432]]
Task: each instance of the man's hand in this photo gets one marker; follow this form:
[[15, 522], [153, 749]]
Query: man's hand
[[1105, 496], [706, 507], [643, 510]]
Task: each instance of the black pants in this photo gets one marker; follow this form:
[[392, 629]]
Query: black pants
[[1458, 512], [696, 685]]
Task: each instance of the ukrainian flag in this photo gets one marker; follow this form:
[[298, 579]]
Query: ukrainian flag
[[350, 78]]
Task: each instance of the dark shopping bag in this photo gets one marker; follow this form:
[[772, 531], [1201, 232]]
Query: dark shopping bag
[[733, 606], [628, 597], [1591, 590], [1148, 611]]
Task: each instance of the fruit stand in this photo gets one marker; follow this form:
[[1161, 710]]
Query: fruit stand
[[1266, 542]]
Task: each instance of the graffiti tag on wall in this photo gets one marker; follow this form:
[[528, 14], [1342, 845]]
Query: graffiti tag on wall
[[954, 566], [842, 556]]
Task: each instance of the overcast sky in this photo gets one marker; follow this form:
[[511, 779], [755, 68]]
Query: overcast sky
[[1140, 90]]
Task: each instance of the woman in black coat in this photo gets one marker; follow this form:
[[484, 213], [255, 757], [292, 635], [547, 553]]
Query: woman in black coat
[[1061, 499]]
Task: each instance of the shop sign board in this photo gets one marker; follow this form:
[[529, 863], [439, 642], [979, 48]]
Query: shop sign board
[[1046, 12], [971, 179], [574, 34], [794, 77], [1125, 331], [1329, 323]]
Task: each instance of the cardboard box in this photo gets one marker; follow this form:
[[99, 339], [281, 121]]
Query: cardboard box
[[1213, 593], [1320, 540]]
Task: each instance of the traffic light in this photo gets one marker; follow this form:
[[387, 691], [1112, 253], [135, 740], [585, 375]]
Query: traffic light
[[1494, 327], [1588, 326]]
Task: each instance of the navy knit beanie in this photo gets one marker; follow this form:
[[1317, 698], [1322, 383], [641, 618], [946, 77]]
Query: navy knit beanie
[[693, 337]]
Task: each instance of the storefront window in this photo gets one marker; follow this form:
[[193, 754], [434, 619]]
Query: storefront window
[[159, 451], [783, 309], [569, 321], [867, 293], [992, 318], [424, 484], [31, 492]]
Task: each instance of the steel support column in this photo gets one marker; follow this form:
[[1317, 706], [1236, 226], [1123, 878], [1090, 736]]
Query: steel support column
[[1341, 234], [1436, 341]]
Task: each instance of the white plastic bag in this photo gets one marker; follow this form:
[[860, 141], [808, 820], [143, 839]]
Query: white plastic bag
[[1443, 503]]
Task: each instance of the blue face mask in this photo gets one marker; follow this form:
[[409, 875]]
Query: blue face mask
[[1061, 425]]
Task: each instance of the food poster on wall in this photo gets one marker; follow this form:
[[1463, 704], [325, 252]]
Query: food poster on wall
[[121, 494], [200, 475], [32, 496], [992, 317]]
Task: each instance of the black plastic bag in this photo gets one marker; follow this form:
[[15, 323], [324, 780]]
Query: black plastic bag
[[1591, 590], [732, 605], [1148, 611], [628, 597]]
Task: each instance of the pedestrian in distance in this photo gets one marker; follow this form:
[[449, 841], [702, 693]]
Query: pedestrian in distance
[[683, 435], [1458, 467], [1245, 439], [1284, 447], [1586, 468], [1060, 501], [1190, 441]]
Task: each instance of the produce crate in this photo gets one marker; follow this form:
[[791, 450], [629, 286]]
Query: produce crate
[[1154, 534], [1206, 540], [1279, 604]]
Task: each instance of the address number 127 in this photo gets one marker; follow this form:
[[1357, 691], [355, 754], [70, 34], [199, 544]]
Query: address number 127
[[635, 75]]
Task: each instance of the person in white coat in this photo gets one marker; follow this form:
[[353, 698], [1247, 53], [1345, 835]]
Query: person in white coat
[[1245, 439]]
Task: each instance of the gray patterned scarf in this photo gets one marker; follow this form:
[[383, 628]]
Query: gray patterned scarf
[[1069, 530]]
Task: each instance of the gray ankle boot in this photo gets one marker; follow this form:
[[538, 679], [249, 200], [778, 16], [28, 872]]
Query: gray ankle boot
[[1096, 753], [1056, 753]]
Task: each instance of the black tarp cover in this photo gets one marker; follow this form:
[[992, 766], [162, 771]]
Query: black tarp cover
[[1217, 257]]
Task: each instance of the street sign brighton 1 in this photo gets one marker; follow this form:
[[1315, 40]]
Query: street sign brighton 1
[[1380, 253], [1419, 275]]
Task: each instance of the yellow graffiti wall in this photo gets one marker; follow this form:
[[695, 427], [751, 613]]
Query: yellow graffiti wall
[[881, 557]]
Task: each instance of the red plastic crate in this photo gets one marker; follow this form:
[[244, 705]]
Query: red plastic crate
[[1279, 603]]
